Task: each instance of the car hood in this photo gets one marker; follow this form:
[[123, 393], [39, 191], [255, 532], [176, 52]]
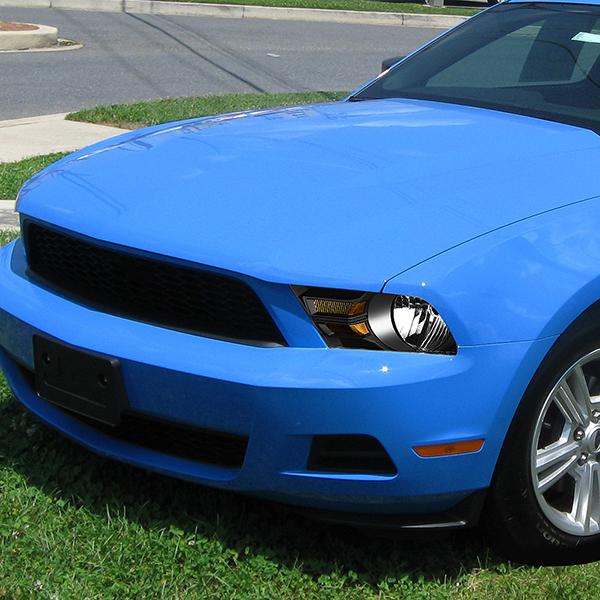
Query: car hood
[[347, 194]]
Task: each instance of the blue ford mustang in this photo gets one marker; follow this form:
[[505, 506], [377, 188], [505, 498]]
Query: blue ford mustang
[[384, 309]]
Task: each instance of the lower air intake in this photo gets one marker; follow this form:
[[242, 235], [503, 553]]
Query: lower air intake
[[358, 454]]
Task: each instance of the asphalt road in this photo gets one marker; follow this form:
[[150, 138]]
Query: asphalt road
[[131, 57]]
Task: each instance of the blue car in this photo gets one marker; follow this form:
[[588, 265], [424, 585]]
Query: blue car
[[384, 310]]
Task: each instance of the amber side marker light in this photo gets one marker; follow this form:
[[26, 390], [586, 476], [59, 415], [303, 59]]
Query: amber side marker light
[[466, 447]]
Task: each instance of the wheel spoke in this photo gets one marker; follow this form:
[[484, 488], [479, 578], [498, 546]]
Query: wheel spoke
[[581, 391], [586, 498], [563, 458], [569, 405], [556, 453]]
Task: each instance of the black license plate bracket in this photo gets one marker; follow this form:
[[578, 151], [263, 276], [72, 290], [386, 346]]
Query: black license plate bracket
[[83, 382]]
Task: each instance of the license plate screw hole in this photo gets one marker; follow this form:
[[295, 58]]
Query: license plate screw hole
[[102, 380], [46, 358]]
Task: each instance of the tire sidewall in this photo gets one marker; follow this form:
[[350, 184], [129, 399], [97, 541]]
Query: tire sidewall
[[514, 515]]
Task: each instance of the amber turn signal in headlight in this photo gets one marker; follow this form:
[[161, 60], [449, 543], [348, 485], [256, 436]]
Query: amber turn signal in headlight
[[349, 319]]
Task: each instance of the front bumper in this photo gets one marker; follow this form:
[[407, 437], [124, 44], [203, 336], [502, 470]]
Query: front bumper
[[280, 398]]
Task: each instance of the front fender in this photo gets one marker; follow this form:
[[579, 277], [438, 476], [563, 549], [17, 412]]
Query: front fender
[[526, 281]]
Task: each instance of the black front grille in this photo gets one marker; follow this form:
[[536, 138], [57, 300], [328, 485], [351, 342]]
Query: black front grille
[[149, 289], [350, 454]]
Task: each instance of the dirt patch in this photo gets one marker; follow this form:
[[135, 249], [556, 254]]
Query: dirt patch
[[4, 26]]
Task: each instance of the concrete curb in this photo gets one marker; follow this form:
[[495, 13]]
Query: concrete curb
[[158, 7], [61, 46], [42, 37]]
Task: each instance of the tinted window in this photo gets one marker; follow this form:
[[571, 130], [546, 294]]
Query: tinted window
[[536, 59]]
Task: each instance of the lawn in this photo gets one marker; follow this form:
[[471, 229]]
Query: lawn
[[152, 112], [14, 174], [7, 236], [360, 5]]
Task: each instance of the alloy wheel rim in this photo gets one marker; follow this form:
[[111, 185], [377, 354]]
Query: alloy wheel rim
[[565, 450]]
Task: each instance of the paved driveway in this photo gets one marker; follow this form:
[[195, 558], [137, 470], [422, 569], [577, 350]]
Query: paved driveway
[[8, 217], [129, 57]]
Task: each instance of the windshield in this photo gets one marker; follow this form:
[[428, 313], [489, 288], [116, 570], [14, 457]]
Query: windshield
[[541, 60]]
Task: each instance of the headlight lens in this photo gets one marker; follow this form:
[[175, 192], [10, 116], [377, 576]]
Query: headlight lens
[[349, 319]]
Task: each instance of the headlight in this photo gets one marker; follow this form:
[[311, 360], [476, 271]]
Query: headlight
[[350, 319]]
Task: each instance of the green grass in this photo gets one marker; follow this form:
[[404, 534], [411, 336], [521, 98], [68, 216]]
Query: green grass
[[73, 525], [5, 237], [13, 175], [360, 5], [152, 112]]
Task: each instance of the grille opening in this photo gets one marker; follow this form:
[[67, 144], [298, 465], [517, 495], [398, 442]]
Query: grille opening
[[149, 289], [200, 445], [192, 443], [350, 454]]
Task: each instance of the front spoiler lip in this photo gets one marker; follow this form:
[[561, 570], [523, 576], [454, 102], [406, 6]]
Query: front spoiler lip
[[464, 515]]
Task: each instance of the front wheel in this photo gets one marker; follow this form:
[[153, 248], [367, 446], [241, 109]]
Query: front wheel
[[544, 504]]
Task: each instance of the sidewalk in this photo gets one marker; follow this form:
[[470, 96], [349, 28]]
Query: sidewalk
[[238, 11], [8, 217], [22, 138]]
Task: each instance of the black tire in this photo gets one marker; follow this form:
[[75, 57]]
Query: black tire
[[514, 521]]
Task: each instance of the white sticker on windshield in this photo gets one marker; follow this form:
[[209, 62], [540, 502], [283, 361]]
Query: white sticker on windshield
[[592, 38]]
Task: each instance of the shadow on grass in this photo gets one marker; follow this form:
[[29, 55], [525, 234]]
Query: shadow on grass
[[61, 469]]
